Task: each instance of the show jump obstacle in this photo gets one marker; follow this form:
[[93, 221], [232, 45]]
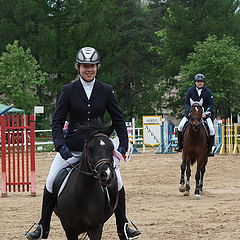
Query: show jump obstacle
[[18, 154]]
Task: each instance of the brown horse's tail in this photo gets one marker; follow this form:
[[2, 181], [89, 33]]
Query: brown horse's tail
[[193, 160]]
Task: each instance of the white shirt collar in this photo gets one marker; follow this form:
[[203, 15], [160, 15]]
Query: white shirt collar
[[88, 87], [199, 91], [87, 84]]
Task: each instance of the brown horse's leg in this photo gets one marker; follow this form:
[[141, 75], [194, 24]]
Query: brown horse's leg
[[197, 177], [96, 233], [203, 169], [182, 179], [188, 173]]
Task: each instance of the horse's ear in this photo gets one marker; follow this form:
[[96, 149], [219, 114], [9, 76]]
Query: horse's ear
[[201, 102], [191, 102], [109, 130]]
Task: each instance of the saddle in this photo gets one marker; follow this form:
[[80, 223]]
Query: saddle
[[61, 180]]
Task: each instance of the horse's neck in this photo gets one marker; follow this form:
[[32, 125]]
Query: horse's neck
[[83, 166], [194, 134], [83, 174]]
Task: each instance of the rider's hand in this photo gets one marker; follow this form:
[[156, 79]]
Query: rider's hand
[[203, 115], [122, 150], [65, 152]]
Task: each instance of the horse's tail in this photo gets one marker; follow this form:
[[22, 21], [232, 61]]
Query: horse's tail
[[193, 160]]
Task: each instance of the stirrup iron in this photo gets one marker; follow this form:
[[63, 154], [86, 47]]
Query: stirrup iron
[[38, 225]]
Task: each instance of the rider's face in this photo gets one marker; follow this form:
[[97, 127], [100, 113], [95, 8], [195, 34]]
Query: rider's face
[[88, 71], [199, 84]]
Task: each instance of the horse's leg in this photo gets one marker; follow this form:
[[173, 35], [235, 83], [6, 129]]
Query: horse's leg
[[188, 173], [71, 236], [197, 178], [96, 233], [182, 180], [203, 169], [69, 233]]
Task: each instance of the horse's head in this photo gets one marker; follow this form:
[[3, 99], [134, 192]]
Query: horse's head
[[98, 150], [196, 116]]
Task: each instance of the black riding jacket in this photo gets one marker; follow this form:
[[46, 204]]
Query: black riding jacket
[[206, 95], [73, 101]]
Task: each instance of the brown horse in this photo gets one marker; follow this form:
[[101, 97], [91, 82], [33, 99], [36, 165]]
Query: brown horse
[[195, 149]]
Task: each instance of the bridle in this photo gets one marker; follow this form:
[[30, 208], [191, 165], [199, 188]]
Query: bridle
[[93, 172], [195, 124], [90, 165]]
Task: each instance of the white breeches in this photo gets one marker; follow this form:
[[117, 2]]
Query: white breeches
[[209, 123], [59, 163], [181, 124]]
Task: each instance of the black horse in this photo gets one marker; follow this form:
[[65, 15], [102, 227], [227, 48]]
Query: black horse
[[195, 149], [86, 204]]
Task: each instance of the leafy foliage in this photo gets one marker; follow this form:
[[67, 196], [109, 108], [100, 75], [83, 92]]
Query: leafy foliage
[[19, 77], [186, 23], [142, 46]]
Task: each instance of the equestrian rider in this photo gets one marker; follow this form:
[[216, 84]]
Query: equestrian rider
[[197, 93], [83, 100]]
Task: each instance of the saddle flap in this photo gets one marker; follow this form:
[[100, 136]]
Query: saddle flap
[[61, 180]]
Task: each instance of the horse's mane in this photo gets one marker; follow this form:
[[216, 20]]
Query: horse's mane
[[89, 129]]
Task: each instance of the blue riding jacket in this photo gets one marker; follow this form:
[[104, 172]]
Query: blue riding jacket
[[206, 95]]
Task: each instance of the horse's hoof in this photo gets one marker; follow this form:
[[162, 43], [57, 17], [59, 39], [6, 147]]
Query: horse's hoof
[[181, 188], [196, 196], [186, 193]]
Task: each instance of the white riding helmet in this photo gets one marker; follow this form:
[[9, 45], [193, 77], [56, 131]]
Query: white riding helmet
[[88, 55]]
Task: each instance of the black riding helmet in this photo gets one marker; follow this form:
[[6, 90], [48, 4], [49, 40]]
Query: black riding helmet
[[199, 77]]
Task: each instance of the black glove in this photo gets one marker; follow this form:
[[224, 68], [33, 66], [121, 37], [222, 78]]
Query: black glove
[[122, 150], [65, 152]]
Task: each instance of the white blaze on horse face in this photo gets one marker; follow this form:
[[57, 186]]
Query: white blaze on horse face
[[196, 109], [108, 172], [102, 143]]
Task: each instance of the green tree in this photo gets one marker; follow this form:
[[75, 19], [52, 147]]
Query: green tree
[[219, 61], [20, 75], [128, 65], [184, 23], [120, 30], [189, 21]]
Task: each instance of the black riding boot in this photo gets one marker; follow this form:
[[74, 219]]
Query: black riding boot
[[48, 205], [210, 146], [124, 231], [180, 142]]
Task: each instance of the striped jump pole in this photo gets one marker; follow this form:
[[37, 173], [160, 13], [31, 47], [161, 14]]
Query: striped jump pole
[[236, 149], [229, 138], [18, 154]]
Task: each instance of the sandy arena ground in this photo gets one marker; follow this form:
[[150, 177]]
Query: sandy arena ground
[[153, 201]]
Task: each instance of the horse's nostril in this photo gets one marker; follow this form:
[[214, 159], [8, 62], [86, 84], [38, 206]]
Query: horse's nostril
[[103, 176]]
